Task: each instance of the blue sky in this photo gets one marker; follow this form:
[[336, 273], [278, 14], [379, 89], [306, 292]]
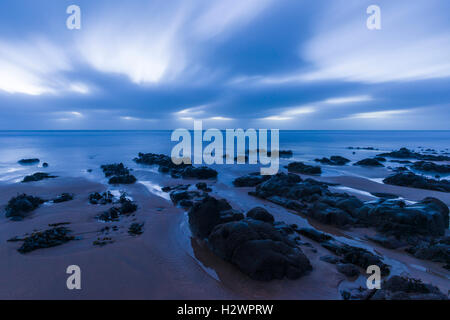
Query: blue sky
[[290, 64]]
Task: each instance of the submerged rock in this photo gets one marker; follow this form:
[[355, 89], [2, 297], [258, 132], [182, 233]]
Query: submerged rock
[[300, 167], [28, 162], [38, 177], [103, 198], [412, 180], [118, 174], [18, 207]]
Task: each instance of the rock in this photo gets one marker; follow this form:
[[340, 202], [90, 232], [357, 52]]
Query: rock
[[203, 186], [110, 215], [369, 163], [334, 161], [435, 250], [186, 203], [185, 171], [403, 288], [387, 242], [127, 207], [136, 229], [125, 179], [330, 215], [118, 174], [104, 198], [315, 234], [348, 269], [357, 256], [18, 207], [251, 180], [63, 198], [261, 214], [258, 250], [45, 165], [414, 181], [300, 167], [230, 216], [385, 195], [38, 177], [431, 167], [204, 216], [28, 162], [46, 239], [405, 153], [330, 259]]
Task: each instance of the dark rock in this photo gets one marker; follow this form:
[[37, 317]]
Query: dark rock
[[28, 162], [330, 259], [104, 198], [261, 214], [202, 186], [63, 198], [201, 173], [369, 163], [38, 177], [414, 181], [46, 239], [435, 250], [315, 234], [204, 216], [126, 205], [357, 256], [431, 167], [118, 174], [110, 215], [45, 165], [405, 153], [334, 161], [385, 195], [186, 203], [125, 179], [19, 206], [348, 269], [251, 180], [300, 167], [230, 216], [136, 229], [258, 250], [401, 161], [403, 288], [387, 242]]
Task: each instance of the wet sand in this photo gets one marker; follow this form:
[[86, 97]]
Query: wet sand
[[165, 262]]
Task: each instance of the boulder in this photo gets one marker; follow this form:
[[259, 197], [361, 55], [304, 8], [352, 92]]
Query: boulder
[[38, 177], [18, 207], [348, 269], [204, 216], [334, 161], [300, 167], [405, 153], [261, 214], [369, 163], [412, 180], [431, 167], [28, 162]]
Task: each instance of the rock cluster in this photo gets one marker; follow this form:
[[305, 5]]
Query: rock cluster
[[18, 207], [427, 166], [334, 161], [412, 180], [46, 239], [405, 153], [38, 176], [118, 174], [300, 167]]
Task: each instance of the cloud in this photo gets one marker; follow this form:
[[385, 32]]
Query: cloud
[[377, 114], [345, 100]]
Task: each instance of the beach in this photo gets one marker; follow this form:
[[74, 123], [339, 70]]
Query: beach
[[166, 261]]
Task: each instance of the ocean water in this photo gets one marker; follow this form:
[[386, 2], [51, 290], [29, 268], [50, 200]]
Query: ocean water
[[71, 153]]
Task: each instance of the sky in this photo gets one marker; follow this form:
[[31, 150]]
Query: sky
[[275, 64]]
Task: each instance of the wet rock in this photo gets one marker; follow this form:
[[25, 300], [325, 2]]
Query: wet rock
[[385, 195], [204, 216], [403, 288], [330, 259], [63, 198], [300, 167], [28, 162], [259, 250], [401, 161], [261, 214], [45, 165], [103, 198], [46, 239], [315, 235], [110, 215], [334, 161], [369, 163], [250, 180], [185, 171], [38, 177], [405, 153], [348, 269], [387, 242], [18, 207], [431, 167], [101, 242], [118, 174], [127, 207], [415, 181], [357, 256], [362, 148], [437, 250], [203, 187], [230, 216], [136, 229]]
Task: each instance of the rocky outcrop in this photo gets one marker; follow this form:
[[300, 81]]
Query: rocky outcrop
[[184, 171], [126, 208], [426, 166], [397, 288], [412, 180], [101, 198], [28, 162], [300, 167], [255, 245], [46, 239], [250, 180], [18, 207], [64, 197], [405, 153], [334, 161]]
